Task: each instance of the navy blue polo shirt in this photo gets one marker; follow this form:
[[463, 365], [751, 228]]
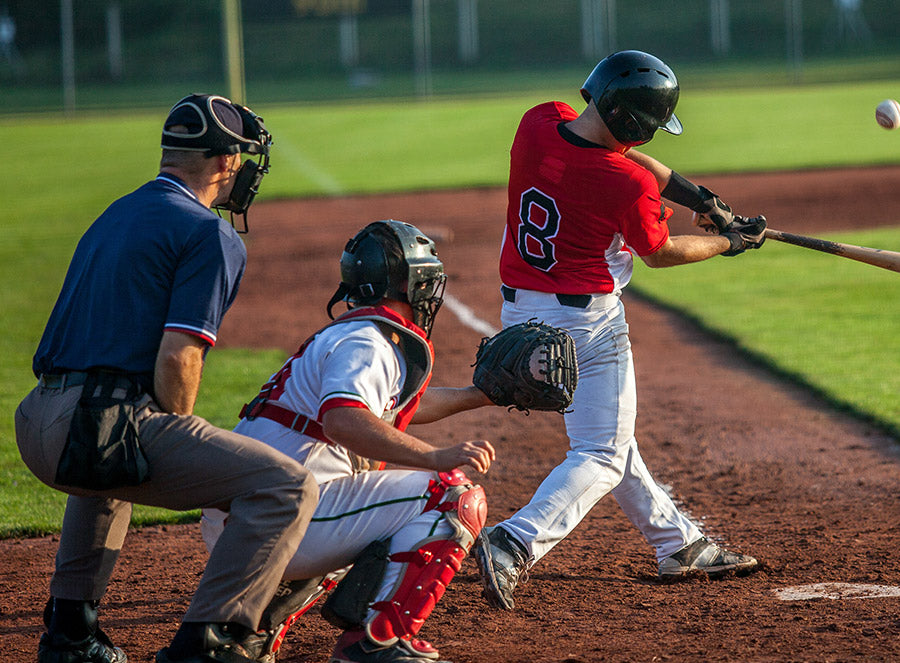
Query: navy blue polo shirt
[[156, 260]]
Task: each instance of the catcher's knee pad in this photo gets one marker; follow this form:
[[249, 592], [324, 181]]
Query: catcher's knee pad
[[428, 569], [463, 504]]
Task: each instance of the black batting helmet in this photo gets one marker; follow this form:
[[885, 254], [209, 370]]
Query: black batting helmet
[[396, 260], [635, 94]]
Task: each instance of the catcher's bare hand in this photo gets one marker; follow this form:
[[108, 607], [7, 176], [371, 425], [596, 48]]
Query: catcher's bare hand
[[479, 454]]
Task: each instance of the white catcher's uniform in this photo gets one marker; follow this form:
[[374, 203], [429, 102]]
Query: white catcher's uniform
[[363, 360]]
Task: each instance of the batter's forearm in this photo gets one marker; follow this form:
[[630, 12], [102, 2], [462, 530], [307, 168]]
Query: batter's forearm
[[684, 249]]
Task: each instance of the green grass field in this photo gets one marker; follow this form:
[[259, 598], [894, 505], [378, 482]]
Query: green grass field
[[812, 306]]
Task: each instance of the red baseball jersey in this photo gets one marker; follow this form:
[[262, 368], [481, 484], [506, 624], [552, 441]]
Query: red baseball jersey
[[576, 210]]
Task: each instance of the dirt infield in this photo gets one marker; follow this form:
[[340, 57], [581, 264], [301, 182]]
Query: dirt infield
[[765, 467]]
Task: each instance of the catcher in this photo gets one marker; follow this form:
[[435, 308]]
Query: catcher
[[340, 406]]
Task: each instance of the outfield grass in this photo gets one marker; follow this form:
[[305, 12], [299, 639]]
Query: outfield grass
[[70, 168], [829, 324]]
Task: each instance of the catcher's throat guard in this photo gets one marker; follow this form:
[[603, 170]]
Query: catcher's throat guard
[[529, 366]]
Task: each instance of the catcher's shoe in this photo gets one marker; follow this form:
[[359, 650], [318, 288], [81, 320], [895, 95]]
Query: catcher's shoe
[[503, 563], [704, 556], [355, 647], [96, 648], [262, 645]]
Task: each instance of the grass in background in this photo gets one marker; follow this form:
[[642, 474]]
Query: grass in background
[[374, 146], [829, 323], [72, 167]]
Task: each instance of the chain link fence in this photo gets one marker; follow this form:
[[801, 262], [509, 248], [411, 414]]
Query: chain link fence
[[137, 52]]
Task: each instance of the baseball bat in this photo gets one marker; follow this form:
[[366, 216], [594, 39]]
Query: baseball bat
[[877, 257]]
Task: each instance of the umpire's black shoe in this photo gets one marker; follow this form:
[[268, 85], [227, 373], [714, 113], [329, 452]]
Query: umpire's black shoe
[[502, 563], [96, 648], [73, 635], [355, 647]]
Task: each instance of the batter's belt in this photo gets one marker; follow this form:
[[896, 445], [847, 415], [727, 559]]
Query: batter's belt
[[574, 301]]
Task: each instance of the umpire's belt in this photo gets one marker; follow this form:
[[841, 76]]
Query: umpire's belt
[[576, 301], [62, 380], [77, 378]]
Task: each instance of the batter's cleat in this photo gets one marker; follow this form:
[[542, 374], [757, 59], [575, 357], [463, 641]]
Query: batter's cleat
[[93, 649], [704, 556], [355, 647], [502, 563]]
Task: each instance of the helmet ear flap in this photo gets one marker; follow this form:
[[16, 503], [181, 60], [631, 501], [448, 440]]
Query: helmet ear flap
[[626, 128], [366, 268]]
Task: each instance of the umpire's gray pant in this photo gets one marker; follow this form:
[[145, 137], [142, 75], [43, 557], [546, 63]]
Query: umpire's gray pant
[[269, 497]]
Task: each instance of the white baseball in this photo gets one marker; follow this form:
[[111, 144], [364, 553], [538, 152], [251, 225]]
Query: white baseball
[[888, 114]]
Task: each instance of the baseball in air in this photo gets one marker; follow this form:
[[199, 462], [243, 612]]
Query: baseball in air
[[888, 114]]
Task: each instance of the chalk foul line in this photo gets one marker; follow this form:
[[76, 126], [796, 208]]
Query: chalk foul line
[[468, 317]]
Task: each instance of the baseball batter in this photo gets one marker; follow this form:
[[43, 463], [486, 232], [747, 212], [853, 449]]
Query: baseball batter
[[347, 396], [579, 209]]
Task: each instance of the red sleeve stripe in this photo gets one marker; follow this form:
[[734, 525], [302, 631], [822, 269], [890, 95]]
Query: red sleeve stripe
[[193, 331], [332, 403]]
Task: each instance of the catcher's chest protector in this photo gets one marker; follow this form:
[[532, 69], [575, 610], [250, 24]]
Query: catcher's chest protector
[[416, 350], [413, 345]]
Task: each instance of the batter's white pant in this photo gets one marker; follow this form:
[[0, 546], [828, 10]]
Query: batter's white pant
[[603, 455], [354, 511]]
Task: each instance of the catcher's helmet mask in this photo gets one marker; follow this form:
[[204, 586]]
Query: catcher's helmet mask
[[216, 125], [635, 94], [396, 260]]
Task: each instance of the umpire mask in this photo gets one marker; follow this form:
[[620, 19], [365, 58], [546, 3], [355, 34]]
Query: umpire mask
[[216, 125], [396, 260]]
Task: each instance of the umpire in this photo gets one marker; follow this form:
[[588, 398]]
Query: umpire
[[119, 365]]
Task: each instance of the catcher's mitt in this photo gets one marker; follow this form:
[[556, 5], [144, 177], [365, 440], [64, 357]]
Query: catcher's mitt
[[529, 366]]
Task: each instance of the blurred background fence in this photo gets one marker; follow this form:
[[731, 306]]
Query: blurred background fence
[[87, 54]]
